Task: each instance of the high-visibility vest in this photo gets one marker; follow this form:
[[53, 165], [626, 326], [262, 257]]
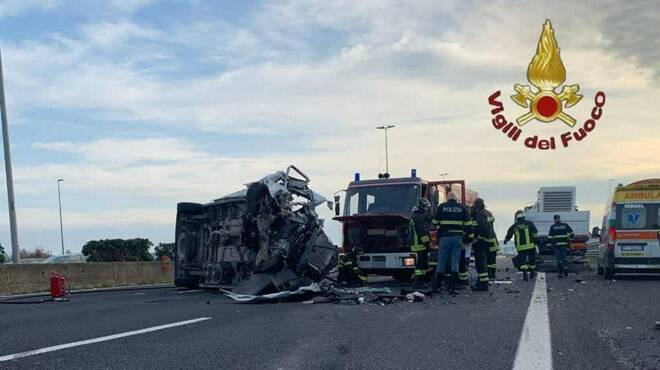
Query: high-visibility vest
[[524, 239], [418, 243]]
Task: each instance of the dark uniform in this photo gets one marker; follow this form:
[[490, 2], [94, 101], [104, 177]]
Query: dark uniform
[[468, 239], [452, 219], [524, 234], [484, 239], [348, 270], [559, 236], [491, 258], [421, 242]]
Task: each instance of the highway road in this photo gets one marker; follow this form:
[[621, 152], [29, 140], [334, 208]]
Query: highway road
[[583, 321]]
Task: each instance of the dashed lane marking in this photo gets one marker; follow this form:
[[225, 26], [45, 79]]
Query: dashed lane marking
[[100, 339], [535, 345]]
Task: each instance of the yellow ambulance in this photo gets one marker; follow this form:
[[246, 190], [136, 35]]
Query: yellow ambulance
[[630, 233]]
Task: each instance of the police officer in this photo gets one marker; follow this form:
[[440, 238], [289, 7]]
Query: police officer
[[451, 219], [421, 243], [485, 239], [559, 236], [524, 233]]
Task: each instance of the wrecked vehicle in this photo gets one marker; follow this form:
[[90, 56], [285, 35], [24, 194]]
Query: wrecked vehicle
[[264, 239]]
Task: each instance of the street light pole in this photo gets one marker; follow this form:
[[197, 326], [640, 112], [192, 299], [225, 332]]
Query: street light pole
[[443, 175], [59, 198], [387, 159], [16, 255]]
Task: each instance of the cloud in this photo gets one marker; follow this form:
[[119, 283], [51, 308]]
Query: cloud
[[323, 75], [9, 8], [124, 152], [129, 6]]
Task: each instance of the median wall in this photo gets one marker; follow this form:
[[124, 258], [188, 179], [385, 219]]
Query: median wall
[[32, 278]]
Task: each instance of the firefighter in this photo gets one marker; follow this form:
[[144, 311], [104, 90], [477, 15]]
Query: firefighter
[[451, 218], [421, 242], [559, 236], [524, 233], [466, 251], [491, 258], [484, 234], [348, 270]]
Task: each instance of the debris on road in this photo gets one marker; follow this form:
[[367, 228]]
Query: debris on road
[[266, 241]]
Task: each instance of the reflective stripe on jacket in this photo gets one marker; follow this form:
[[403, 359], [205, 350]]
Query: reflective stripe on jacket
[[560, 235], [451, 218], [419, 231], [524, 233]]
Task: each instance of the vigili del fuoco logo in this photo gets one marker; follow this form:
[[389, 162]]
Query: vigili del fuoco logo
[[549, 100]]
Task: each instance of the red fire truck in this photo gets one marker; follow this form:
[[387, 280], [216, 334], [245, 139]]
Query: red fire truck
[[376, 219]]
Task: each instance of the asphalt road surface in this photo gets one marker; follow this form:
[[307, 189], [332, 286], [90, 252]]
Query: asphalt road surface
[[569, 324]]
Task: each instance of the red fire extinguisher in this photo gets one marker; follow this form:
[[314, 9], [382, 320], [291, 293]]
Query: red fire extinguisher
[[57, 285]]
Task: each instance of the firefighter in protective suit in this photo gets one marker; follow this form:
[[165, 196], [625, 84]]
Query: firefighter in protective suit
[[525, 233], [348, 270], [421, 242], [466, 252], [485, 239]]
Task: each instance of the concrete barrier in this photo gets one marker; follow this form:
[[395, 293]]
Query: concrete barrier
[[19, 279]]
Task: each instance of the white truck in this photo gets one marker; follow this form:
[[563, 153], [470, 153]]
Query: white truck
[[558, 200]]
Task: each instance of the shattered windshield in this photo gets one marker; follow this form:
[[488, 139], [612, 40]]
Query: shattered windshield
[[381, 199]]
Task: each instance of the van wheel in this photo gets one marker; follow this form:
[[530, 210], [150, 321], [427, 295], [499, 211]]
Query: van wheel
[[187, 282], [600, 271]]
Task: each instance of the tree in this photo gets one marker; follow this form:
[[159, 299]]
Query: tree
[[3, 257], [118, 250], [164, 250], [38, 252]]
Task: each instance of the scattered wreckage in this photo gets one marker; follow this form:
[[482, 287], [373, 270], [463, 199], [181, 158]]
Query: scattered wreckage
[[265, 242]]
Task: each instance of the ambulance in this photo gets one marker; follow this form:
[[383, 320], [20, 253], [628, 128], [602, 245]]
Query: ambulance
[[630, 236]]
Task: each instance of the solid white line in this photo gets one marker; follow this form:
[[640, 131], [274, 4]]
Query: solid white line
[[535, 345], [100, 339]]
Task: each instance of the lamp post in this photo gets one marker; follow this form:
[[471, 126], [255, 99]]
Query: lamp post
[[16, 255], [387, 159], [443, 175], [59, 198]]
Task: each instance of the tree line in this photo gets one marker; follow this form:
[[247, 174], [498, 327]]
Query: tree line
[[111, 250]]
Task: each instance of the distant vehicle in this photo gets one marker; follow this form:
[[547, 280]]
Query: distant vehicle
[[629, 241], [66, 258], [558, 200], [376, 219]]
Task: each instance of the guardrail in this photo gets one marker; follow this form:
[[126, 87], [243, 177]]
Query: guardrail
[[19, 279]]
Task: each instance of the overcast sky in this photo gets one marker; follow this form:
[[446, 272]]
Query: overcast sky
[[141, 104]]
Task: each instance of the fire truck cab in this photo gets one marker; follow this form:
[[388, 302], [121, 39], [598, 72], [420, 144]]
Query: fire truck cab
[[376, 219]]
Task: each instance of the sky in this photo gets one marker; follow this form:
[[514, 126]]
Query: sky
[[140, 104]]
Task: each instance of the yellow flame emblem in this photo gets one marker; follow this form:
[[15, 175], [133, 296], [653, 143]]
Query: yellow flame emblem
[[546, 72]]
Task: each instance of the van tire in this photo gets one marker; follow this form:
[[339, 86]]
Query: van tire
[[600, 271], [187, 282]]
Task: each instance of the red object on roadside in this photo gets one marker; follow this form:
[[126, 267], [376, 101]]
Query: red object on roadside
[[57, 285]]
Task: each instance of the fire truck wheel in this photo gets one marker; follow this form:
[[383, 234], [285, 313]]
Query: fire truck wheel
[[402, 276]]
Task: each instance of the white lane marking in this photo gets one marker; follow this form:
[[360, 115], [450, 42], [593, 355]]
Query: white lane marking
[[100, 339], [535, 345]]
